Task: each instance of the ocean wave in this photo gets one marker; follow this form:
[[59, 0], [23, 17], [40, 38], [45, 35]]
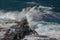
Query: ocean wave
[[40, 18]]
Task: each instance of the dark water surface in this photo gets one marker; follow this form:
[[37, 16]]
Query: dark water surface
[[18, 4]]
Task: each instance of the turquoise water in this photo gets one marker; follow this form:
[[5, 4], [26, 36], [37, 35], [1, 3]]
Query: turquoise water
[[42, 15], [19, 4]]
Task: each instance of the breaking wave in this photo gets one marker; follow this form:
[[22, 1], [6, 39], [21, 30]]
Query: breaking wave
[[42, 19]]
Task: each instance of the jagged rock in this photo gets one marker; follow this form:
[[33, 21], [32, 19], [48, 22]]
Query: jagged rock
[[8, 35], [21, 31]]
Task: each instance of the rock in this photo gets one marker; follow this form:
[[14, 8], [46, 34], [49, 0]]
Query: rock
[[23, 28], [21, 31], [8, 35], [52, 39], [1, 29], [33, 37]]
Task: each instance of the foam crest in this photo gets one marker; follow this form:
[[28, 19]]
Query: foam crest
[[36, 13], [13, 15], [35, 16]]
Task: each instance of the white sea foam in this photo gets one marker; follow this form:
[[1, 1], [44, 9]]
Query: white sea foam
[[34, 16], [31, 3], [15, 15]]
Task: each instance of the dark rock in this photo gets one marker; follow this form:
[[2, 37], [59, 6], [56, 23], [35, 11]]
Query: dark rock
[[1, 29], [42, 36], [21, 29], [52, 39], [8, 35]]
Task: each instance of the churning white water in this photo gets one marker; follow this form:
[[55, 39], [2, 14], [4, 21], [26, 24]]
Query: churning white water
[[35, 16], [35, 19]]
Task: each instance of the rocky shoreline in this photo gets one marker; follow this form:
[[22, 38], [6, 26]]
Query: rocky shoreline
[[21, 31]]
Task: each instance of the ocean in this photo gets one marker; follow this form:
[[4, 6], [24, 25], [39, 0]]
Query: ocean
[[43, 15]]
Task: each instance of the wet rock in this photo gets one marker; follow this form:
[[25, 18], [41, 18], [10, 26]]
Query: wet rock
[[22, 28], [1, 29], [21, 31], [52, 39], [8, 35]]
